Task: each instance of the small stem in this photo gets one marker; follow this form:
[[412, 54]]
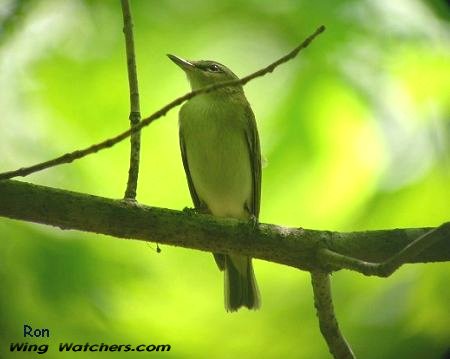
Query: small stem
[[135, 112], [329, 327], [77, 154]]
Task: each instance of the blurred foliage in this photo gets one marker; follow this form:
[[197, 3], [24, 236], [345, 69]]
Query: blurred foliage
[[356, 132]]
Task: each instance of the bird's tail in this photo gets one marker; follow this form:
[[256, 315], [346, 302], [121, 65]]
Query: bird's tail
[[241, 289]]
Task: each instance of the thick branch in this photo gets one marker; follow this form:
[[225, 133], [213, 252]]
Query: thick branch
[[135, 112], [75, 155], [295, 247]]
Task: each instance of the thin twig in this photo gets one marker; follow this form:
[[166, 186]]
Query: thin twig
[[72, 156], [135, 112], [389, 266], [329, 327]]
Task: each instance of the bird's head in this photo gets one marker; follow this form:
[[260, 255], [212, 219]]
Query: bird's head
[[204, 72]]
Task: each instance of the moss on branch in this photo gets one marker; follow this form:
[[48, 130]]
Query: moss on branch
[[296, 247]]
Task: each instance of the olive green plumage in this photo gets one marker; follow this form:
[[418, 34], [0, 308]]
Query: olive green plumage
[[222, 160]]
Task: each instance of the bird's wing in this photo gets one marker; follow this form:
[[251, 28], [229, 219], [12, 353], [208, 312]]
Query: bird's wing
[[194, 195], [251, 134]]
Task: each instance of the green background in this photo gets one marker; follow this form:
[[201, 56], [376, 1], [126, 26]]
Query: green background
[[355, 131]]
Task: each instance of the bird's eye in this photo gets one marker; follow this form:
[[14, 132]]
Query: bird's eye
[[214, 68]]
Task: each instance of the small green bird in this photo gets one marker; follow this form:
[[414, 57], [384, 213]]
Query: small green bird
[[222, 160]]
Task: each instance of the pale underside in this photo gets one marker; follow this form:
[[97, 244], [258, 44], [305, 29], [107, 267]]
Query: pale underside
[[220, 152], [218, 156]]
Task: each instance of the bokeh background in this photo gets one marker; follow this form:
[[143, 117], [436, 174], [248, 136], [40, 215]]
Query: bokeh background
[[355, 131]]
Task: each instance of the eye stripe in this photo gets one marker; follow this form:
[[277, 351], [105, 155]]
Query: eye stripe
[[214, 68], [210, 67]]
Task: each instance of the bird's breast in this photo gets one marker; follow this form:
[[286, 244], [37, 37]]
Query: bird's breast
[[218, 157]]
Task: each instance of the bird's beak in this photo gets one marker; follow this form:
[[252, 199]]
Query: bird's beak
[[184, 64]]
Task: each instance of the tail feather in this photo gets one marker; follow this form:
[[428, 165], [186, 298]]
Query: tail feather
[[241, 289]]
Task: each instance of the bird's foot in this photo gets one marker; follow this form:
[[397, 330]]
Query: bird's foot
[[253, 222], [190, 211]]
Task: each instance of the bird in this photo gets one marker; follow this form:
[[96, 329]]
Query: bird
[[221, 156]]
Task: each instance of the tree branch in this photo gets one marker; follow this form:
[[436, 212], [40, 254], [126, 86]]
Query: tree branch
[[75, 155], [390, 265], [328, 323], [135, 112], [296, 247]]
